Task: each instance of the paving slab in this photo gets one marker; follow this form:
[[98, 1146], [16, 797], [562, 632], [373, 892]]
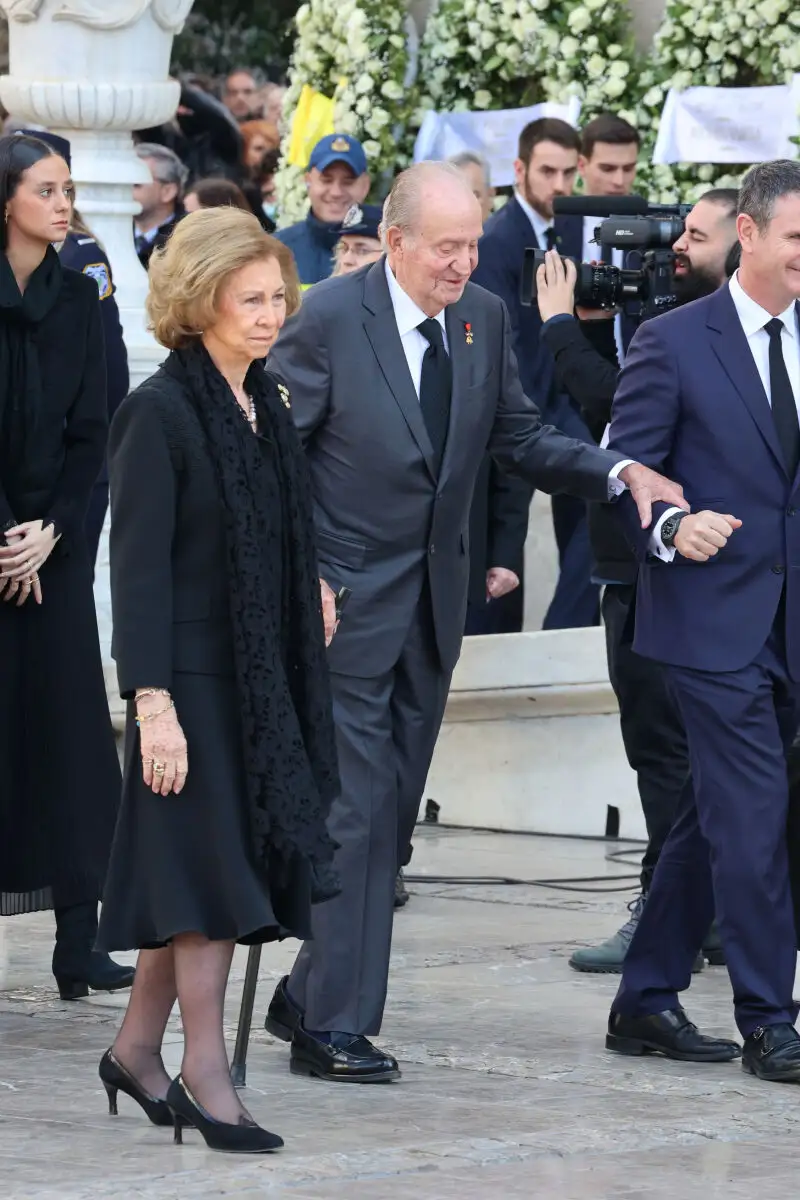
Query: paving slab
[[507, 1090]]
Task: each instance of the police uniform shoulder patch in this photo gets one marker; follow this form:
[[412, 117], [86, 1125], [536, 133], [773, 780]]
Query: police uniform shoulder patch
[[100, 273]]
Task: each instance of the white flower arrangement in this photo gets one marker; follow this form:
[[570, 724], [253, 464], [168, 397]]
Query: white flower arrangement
[[708, 43], [355, 52], [498, 54]]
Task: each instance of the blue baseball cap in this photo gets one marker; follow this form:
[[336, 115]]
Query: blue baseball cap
[[362, 220], [339, 147]]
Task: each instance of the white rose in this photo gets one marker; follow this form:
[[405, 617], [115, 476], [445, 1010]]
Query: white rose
[[716, 31], [749, 38], [372, 149], [364, 84], [713, 77], [729, 70], [613, 51], [363, 106], [682, 55], [695, 58], [612, 88], [380, 117], [397, 41], [715, 52], [618, 70], [392, 90], [705, 173], [484, 14], [592, 4], [570, 47], [487, 39], [513, 53], [733, 22], [733, 49], [475, 53], [579, 20], [469, 8], [701, 29], [482, 98], [595, 66]]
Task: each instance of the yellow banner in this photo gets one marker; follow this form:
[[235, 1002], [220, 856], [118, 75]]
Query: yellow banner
[[313, 119]]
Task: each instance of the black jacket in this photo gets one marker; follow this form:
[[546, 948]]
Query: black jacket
[[163, 234], [586, 366], [206, 137], [169, 587], [73, 424]]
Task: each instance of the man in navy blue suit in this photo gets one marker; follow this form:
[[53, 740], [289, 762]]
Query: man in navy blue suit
[[546, 167], [710, 395]]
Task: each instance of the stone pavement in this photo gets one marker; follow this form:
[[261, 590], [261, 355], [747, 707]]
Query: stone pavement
[[507, 1091]]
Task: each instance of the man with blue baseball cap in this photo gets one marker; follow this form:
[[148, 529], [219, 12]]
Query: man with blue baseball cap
[[336, 180]]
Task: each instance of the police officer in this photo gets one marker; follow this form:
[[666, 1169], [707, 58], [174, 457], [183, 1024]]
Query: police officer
[[82, 252]]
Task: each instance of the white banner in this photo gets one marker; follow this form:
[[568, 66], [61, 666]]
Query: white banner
[[729, 125], [492, 134]]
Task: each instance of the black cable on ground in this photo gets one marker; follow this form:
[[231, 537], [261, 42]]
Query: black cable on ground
[[577, 884]]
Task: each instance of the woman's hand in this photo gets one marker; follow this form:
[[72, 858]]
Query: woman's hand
[[165, 759], [29, 547], [20, 589]]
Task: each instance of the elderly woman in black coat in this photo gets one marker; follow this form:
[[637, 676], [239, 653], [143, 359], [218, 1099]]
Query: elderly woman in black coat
[[60, 775], [220, 647]]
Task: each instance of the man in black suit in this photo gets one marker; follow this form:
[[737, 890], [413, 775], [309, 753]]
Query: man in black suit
[[161, 199], [546, 167], [401, 375]]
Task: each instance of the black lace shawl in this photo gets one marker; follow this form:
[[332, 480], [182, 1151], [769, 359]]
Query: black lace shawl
[[279, 648]]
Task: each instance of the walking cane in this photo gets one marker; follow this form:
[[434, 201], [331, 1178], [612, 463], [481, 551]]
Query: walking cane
[[239, 1063]]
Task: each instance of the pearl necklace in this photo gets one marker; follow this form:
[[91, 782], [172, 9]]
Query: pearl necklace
[[252, 415]]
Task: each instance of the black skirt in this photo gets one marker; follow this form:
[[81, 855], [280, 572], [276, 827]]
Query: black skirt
[[184, 864], [60, 772]]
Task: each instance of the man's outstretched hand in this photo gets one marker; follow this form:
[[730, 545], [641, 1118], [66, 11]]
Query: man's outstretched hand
[[647, 487]]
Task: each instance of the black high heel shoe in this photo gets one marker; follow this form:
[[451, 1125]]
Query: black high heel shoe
[[116, 1079], [243, 1138]]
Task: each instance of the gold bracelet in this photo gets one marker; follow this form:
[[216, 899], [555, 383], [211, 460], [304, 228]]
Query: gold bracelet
[[152, 716], [142, 692]]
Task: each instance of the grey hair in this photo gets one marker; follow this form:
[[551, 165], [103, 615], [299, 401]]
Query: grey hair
[[764, 184], [401, 206], [471, 158], [168, 167]]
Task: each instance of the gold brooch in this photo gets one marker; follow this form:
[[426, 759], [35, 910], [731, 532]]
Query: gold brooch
[[284, 394]]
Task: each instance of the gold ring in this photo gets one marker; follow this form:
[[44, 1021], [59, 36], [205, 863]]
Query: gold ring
[[159, 768]]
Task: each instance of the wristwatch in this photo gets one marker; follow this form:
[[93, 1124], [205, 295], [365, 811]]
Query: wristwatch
[[670, 528]]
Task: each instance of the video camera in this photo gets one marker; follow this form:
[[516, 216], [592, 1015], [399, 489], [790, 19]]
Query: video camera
[[630, 224]]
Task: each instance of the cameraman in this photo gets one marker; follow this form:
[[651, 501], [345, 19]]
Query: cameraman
[[586, 366]]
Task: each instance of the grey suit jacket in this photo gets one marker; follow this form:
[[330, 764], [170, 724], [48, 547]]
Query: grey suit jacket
[[386, 522]]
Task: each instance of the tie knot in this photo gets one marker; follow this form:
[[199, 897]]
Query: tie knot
[[774, 327], [431, 330]]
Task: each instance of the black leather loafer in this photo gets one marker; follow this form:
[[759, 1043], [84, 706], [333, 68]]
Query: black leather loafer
[[670, 1033], [349, 1059], [772, 1052], [283, 1015]]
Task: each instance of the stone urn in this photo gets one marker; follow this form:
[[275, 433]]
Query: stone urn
[[93, 71]]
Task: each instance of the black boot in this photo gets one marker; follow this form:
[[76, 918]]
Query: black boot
[[77, 966]]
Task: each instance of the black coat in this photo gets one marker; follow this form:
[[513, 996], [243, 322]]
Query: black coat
[[169, 587], [585, 356], [206, 137], [60, 792]]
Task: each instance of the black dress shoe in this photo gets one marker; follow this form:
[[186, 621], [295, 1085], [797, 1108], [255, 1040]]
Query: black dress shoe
[[670, 1033], [772, 1052], [349, 1058], [283, 1015]]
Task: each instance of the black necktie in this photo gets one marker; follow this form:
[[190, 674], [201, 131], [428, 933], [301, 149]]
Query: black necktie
[[784, 407], [550, 238], [435, 386]]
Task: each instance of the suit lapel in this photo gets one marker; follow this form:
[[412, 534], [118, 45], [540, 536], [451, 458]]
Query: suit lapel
[[381, 329], [460, 343], [739, 365]]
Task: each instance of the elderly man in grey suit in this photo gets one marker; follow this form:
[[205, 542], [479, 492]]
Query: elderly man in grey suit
[[401, 377]]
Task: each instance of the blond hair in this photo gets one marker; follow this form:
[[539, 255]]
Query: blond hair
[[188, 273]]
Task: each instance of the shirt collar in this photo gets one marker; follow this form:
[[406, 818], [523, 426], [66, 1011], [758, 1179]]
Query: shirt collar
[[752, 316], [539, 223], [407, 313]]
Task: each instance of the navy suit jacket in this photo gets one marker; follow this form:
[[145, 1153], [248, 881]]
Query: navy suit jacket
[[690, 403], [499, 270]]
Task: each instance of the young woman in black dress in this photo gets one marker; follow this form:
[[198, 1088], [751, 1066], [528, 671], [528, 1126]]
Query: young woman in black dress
[[230, 762], [60, 774]]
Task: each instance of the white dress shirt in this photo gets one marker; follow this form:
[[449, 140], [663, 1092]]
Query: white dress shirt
[[409, 315], [540, 225], [752, 318], [592, 250]]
